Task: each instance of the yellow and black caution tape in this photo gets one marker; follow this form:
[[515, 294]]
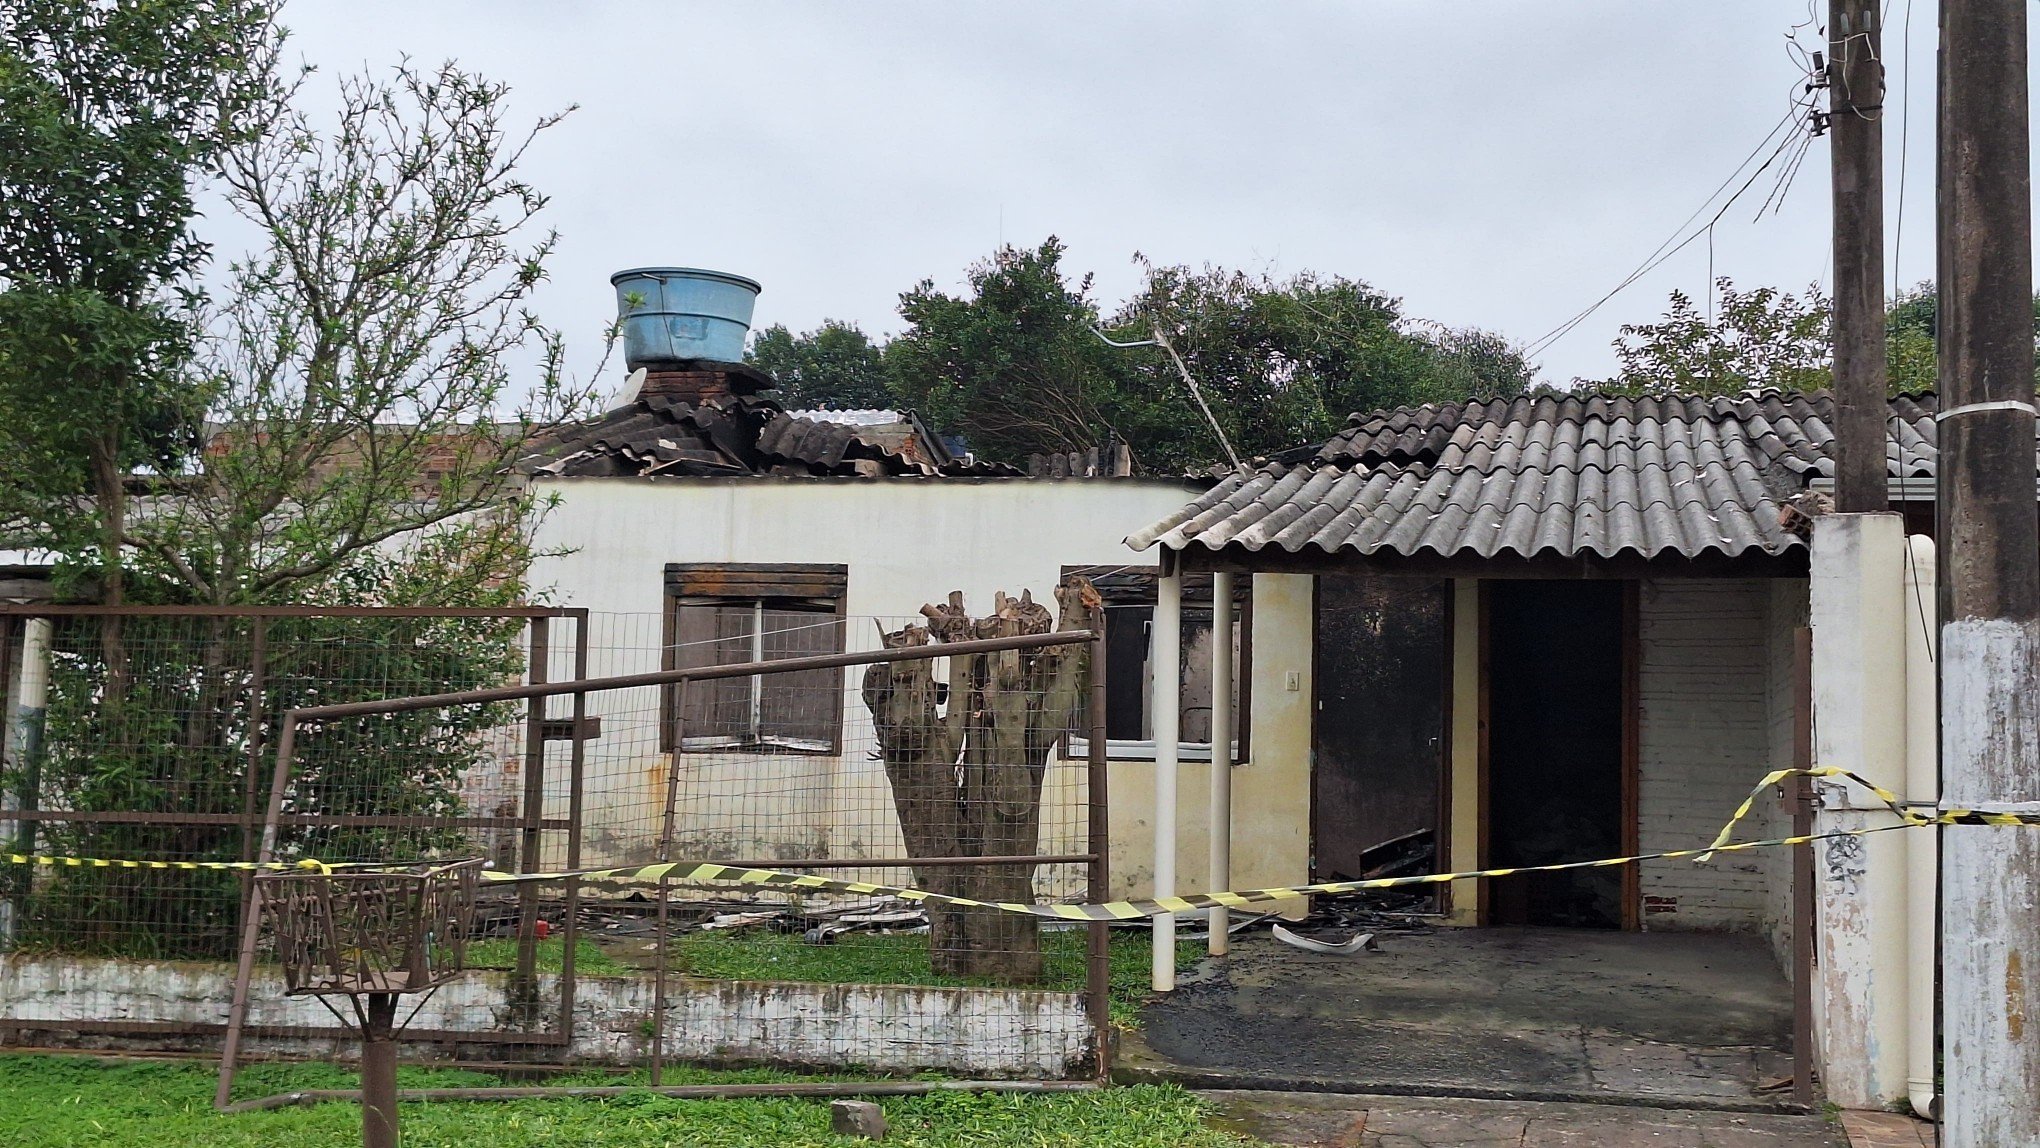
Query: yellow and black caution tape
[[307, 865], [710, 873]]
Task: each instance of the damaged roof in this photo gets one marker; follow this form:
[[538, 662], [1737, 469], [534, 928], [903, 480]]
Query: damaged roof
[[1565, 475], [736, 435]]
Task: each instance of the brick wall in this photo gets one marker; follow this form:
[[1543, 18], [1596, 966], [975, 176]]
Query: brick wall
[[1707, 735]]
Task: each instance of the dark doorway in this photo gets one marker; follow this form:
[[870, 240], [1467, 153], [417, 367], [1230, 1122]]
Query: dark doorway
[[1555, 766], [1378, 740]]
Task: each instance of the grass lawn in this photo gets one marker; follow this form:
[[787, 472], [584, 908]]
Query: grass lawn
[[501, 953], [66, 1102]]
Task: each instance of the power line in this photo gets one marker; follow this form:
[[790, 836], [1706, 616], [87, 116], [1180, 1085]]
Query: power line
[[1904, 144], [1673, 245]]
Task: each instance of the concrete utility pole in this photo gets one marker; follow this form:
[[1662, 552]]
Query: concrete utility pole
[[1990, 547], [1855, 78]]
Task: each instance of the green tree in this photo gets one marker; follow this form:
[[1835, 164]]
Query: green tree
[[359, 372], [1011, 364], [108, 112], [1769, 338], [835, 366], [1284, 362], [1758, 338], [1017, 366]]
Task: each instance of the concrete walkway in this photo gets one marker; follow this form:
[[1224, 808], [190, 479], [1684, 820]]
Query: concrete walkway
[[1325, 1120], [1666, 1019]]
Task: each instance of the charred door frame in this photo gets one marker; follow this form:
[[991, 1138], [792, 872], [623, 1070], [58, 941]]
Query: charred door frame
[[1442, 904], [1632, 722]]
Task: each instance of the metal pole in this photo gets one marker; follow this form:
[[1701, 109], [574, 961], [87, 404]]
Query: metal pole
[[1221, 755], [1990, 541], [524, 982], [1165, 670], [664, 852], [1799, 802], [577, 760], [1856, 142], [1098, 941], [379, 1072], [251, 914]]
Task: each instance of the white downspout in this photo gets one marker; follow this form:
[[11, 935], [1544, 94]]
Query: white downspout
[[1922, 785], [1221, 754], [1165, 705]]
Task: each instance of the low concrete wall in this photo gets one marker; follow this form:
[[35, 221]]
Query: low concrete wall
[[892, 1028]]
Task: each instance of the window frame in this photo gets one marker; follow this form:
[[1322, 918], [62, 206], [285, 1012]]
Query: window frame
[[1134, 587], [817, 588]]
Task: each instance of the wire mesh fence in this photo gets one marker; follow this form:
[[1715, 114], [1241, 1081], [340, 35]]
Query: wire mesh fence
[[950, 773]]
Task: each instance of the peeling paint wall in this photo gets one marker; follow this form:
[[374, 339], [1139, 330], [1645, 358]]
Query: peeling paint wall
[[891, 1028]]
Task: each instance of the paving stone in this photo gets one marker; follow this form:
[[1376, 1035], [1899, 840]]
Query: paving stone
[[1426, 1122], [1886, 1130]]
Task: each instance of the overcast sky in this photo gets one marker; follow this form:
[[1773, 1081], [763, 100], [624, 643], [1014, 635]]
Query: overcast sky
[[1501, 165]]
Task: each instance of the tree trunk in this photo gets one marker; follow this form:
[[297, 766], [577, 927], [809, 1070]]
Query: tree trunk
[[967, 781]]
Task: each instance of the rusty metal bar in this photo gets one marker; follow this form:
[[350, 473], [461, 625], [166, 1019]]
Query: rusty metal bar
[[577, 760], [697, 674], [33, 611], [251, 918], [1800, 799], [1097, 943], [524, 982], [345, 820], [663, 852], [258, 684]]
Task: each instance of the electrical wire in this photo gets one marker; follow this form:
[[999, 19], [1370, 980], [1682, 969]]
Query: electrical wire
[[1904, 139]]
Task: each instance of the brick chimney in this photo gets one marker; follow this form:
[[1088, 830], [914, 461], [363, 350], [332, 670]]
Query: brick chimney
[[697, 381]]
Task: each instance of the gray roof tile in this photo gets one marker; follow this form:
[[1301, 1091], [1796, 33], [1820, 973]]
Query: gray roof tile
[[1585, 474]]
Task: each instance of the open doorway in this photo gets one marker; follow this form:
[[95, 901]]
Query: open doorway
[[1558, 770], [1378, 738]]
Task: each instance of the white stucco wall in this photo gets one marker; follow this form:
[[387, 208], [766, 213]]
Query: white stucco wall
[[905, 541]]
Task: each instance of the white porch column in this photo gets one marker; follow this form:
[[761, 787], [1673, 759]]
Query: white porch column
[[1221, 753], [1165, 708], [1860, 615]]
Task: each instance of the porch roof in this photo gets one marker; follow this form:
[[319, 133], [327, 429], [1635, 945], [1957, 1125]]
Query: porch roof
[[1545, 477]]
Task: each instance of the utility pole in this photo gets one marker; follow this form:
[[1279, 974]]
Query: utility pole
[[1990, 532], [1855, 83]]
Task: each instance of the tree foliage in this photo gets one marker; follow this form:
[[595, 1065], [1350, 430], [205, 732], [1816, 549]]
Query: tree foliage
[[357, 370], [836, 366], [108, 112], [1764, 337], [1015, 362], [362, 360]]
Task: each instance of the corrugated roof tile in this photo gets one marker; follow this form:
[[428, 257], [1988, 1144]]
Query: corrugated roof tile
[[1549, 474]]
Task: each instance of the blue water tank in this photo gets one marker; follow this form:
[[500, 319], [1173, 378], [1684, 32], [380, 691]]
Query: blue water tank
[[670, 314]]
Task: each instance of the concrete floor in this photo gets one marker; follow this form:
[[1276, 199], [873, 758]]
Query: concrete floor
[[1319, 1120], [1666, 1019]]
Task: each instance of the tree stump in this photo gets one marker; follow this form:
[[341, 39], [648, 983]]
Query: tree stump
[[967, 764]]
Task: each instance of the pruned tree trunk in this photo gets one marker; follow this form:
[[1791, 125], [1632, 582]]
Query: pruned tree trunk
[[967, 767]]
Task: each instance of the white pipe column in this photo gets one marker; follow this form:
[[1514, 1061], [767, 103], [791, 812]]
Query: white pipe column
[[23, 740], [1922, 786], [1165, 709], [1221, 754]]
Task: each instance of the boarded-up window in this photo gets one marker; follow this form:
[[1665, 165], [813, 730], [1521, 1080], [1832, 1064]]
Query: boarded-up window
[[729, 614], [1129, 596]]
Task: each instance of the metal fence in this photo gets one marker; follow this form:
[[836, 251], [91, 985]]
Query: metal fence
[[399, 736], [143, 734]]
